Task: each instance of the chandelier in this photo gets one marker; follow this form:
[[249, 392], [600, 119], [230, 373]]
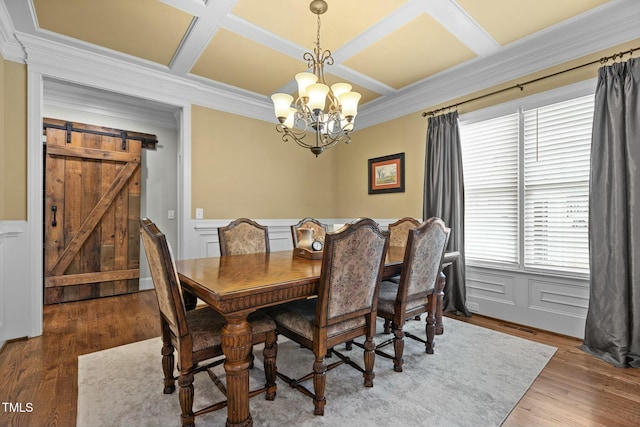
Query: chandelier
[[322, 113]]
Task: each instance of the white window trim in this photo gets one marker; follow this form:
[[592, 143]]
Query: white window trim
[[583, 88]]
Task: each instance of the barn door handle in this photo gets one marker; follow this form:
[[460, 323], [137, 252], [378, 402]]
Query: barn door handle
[[54, 209]]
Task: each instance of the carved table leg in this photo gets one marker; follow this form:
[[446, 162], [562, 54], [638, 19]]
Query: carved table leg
[[236, 345], [439, 292]]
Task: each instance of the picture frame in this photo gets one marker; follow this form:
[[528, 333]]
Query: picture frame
[[386, 174]]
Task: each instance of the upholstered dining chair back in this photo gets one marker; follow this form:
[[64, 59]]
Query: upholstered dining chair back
[[423, 256], [165, 277], [399, 230], [350, 276], [243, 236], [318, 230]]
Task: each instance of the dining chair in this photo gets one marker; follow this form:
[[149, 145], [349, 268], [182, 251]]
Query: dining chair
[[319, 230], [243, 236], [399, 230], [196, 334], [418, 289], [398, 234], [345, 308]]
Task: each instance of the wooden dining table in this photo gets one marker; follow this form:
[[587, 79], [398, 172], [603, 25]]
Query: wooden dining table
[[238, 285]]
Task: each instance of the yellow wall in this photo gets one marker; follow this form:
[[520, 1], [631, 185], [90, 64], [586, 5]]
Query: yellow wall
[[408, 134], [242, 168], [13, 140], [403, 135]]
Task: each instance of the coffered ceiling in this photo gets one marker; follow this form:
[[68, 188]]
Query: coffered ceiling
[[386, 49]]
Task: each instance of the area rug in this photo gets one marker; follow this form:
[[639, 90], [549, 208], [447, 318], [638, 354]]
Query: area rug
[[475, 378]]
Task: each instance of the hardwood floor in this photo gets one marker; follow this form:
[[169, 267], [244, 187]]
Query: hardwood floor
[[574, 389], [43, 371]]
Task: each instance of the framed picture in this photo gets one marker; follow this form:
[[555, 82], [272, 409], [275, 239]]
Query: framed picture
[[386, 174]]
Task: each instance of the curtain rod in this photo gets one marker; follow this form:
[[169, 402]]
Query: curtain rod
[[521, 86]]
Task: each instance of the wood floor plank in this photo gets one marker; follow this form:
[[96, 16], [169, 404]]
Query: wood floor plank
[[574, 389]]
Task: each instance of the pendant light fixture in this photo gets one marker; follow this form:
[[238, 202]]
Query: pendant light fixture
[[321, 116]]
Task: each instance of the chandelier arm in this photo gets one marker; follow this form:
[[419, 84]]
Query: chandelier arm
[[298, 140], [311, 60], [290, 133], [326, 57]]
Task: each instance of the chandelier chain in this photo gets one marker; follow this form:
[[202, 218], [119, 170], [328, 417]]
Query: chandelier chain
[[318, 34]]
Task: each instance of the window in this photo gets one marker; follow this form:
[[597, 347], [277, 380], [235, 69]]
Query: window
[[490, 166], [527, 177]]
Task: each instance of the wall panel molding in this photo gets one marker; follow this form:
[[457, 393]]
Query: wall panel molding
[[554, 303], [491, 286], [566, 299]]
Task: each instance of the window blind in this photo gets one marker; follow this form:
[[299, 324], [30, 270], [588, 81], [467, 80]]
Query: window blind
[[490, 166], [557, 143]]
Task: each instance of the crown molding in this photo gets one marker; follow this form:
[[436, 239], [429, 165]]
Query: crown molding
[[583, 35], [10, 47], [78, 66], [84, 99]]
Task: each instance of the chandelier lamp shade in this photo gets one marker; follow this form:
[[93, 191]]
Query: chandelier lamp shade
[[321, 116]]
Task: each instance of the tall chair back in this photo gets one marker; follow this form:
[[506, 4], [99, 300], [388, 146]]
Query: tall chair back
[[399, 230], [243, 236], [423, 256], [351, 271], [165, 278], [318, 230]]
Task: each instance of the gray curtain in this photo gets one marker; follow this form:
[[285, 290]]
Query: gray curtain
[[444, 198], [613, 320]]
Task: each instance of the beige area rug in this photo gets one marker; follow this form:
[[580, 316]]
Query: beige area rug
[[475, 378]]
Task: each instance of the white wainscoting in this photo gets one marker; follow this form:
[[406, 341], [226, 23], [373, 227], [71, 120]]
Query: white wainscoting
[[15, 292], [209, 246], [206, 244], [553, 303]]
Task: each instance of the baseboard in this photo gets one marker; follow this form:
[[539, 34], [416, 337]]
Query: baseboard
[[146, 284], [3, 344]]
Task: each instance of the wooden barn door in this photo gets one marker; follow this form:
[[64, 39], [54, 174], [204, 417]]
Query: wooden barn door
[[91, 211]]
